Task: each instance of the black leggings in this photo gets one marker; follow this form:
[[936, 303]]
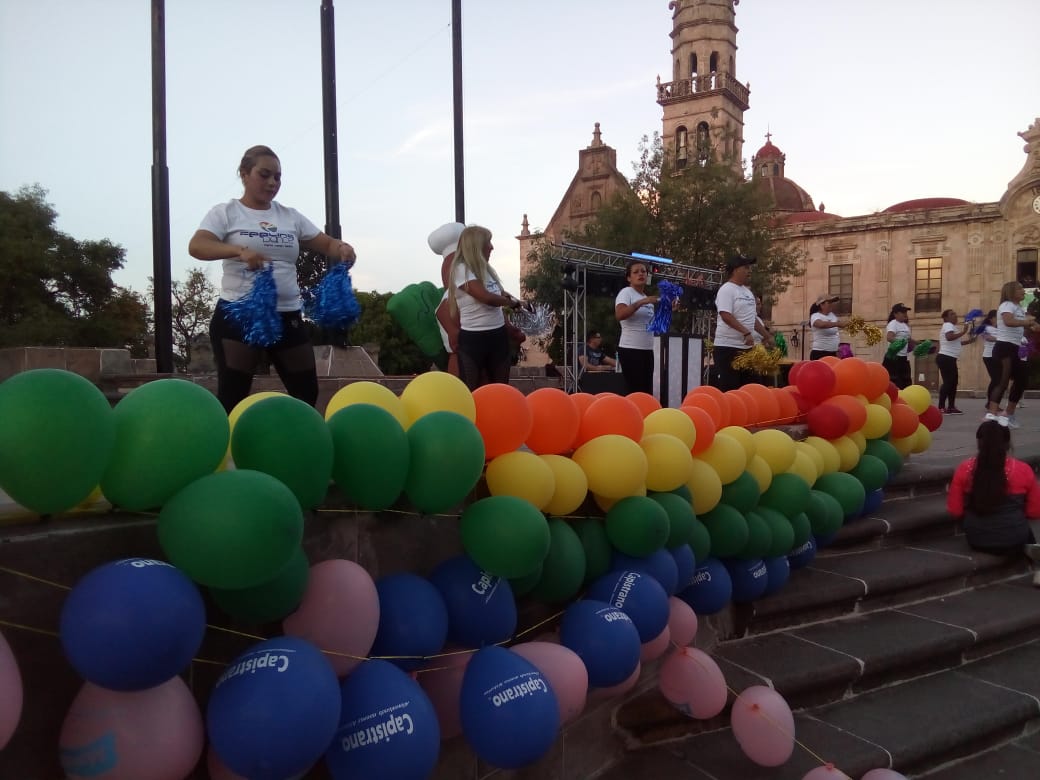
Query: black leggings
[[993, 370], [948, 390], [898, 371], [637, 366], [816, 354], [483, 357], [1010, 370], [727, 377], [292, 357]]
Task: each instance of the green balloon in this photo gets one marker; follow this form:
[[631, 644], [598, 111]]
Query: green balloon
[[231, 530], [787, 493], [742, 493], [760, 538], [505, 535], [57, 432], [680, 517], [446, 461], [169, 433], [871, 471], [728, 531], [700, 541], [598, 552], [824, 512], [269, 430], [802, 530], [269, 601], [637, 526], [564, 569], [781, 530], [683, 492], [889, 455], [846, 488], [521, 586], [371, 457]]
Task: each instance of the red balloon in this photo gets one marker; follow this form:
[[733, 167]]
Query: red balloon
[[877, 381], [893, 391], [856, 411], [931, 418], [904, 421], [828, 421], [816, 381], [792, 375]]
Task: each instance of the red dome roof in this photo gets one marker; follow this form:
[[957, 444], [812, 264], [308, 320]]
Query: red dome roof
[[786, 195], [920, 204], [768, 151], [809, 216]]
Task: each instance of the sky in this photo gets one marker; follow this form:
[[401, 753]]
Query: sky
[[873, 103]]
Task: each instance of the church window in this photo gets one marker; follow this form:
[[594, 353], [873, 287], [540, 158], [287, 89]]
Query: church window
[[776, 169], [714, 62], [928, 284], [681, 147], [839, 282], [595, 201], [693, 66], [1026, 267], [703, 143]]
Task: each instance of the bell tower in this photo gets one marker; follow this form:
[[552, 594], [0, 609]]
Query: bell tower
[[703, 104]]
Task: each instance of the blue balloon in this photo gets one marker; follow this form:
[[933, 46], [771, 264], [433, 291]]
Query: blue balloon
[[659, 564], [749, 579], [711, 590], [778, 571], [508, 711], [638, 595], [481, 608], [802, 556], [605, 639], [132, 624], [873, 500], [413, 620], [685, 566], [387, 727]]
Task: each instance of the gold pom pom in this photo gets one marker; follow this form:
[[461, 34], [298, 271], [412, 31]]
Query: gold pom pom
[[871, 333], [759, 360]]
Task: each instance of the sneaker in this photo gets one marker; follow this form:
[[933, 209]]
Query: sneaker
[[990, 416], [1012, 422], [1032, 551], [954, 410]]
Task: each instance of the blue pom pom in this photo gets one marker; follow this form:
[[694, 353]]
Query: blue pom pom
[[256, 313], [667, 294], [332, 303], [973, 314]]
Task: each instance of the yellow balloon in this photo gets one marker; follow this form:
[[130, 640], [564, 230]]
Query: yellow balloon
[[804, 467], [522, 474], [245, 403], [776, 448], [814, 455], [905, 445], [437, 391], [917, 397], [883, 400], [831, 458], [759, 469], [705, 487], [671, 421], [614, 465], [571, 485], [879, 421], [848, 452], [668, 459], [367, 393], [922, 439], [606, 504], [727, 456], [860, 440], [743, 436]]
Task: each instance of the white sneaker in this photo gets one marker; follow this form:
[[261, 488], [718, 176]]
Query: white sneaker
[[990, 416], [1012, 422], [1032, 551]]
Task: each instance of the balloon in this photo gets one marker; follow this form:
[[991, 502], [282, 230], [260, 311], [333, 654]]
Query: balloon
[[481, 609], [447, 458], [685, 566], [598, 550], [776, 448], [883, 774], [742, 493], [570, 485], [581, 400], [705, 486], [671, 421], [904, 421], [522, 586], [693, 683], [816, 381], [387, 727], [922, 440], [846, 488], [848, 453], [709, 398], [274, 710], [638, 595], [917, 397], [805, 466], [11, 693], [563, 571], [727, 457], [217, 769], [371, 393], [669, 462], [749, 580], [413, 620], [565, 672], [871, 471], [781, 532], [437, 391], [873, 501], [604, 637], [231, 530], [744, 437], [155, 733], [711, 590], [503, 418], [739, 413], [763, 725], [700, 541], [339, 613], [682, 622], [828, 421], [504, 535], [57, 436], [829, 771], [855, 409], [932, 418], [637, 526], [778, 571], [801, 557], [788, 406], [788, 494], [680, 517], [661, 565], [554, 421], [169, 433], [656, 647], [510, 715], [371, 455], [610, 414], [850, 376], [615, 465], [877, 380], [763, 475], [442, 683], [760, 538], [644, 402], [887, 453], [878, 423], [268, 430], [523, 475], [728, 530], [271, 600], [827, 451], [132, 624], [825, 513], [703, 424]]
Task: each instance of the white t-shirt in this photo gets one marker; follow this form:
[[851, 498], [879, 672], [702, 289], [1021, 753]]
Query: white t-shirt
[[739, 301], [902, 331], [275, 233], [474, 315], [1004, 333], [755, 334], [824, 339], [989, 339], [634, 334], [951, 347]]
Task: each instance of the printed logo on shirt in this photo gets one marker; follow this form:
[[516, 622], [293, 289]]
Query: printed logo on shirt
[[269, 227], [269, 236]]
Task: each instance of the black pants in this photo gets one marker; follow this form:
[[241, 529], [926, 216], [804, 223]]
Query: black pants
[[726, 377], [1011, 372], [950, 376], [484, 357], [816, 354], [637, 366], [898, 371]]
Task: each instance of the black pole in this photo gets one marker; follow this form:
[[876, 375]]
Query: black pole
[[163, 297], [456, 70], [328, 108]]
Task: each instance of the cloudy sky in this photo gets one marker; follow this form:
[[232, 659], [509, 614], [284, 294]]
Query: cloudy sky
[[873, 103]]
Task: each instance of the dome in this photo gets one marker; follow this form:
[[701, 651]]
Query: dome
[[920, 204], [767, 152], [800, 217], [786, 195]]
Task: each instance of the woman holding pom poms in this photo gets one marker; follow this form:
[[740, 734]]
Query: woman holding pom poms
[[950, 346], [897, 333], [247, 234], [1011, 373], [634, 309], [825, 324]]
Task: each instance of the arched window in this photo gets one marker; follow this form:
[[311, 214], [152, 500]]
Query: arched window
[[703, 142], [693, 67], [595, 201], [713, 67], [681, 147]]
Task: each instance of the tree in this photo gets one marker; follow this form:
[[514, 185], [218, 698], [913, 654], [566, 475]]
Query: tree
[[192, 309], [398, 354]]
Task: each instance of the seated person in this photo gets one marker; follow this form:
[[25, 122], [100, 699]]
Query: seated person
[[591, 357]]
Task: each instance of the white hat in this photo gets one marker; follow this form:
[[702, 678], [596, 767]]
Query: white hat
[[445, 239]]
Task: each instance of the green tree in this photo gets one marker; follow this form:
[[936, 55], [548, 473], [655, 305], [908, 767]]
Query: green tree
[[192, 303], [397, 352]]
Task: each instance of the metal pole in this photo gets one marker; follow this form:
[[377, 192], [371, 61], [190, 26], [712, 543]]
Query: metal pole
[[456, 69], [328, 107], [162, 294]]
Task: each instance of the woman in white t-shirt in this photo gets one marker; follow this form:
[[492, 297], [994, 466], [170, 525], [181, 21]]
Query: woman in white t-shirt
[[634, 309], [246, 234], [1012, 373], [987, 331], [950, 345], [483, 344], [736, 324], [825, 323], [898, 362]]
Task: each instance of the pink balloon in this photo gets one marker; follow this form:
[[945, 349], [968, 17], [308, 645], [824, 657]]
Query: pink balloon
[[826, 772], [656, 647], [883, 774], [564, 670], [693, 683], [602, 694], [339, 612], [155, 733], [10, 693], [763, 725], [682, 621], [443, 684]]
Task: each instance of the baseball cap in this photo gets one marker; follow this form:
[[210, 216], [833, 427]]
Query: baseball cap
[[900, 307], [445, 239], [739, 260]]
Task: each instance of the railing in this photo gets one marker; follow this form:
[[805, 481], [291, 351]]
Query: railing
[[670, 91]]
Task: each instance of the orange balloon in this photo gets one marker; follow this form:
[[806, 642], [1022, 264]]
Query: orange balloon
[[554, 421], [787, 406], [714, 392], [584, 400], [503, 418], [709, 404], [850, 375], [876, 382], [645, 402], [704, 425], [768, 405], [754, 414], [904, 421], [610, 414], [738, 410], [855, 410], [831, 360]]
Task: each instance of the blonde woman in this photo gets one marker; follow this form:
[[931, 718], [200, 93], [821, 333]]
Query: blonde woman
[[483, 346]]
